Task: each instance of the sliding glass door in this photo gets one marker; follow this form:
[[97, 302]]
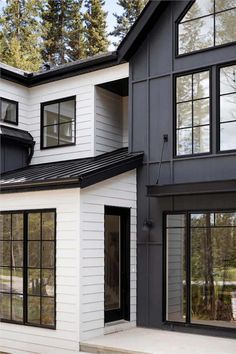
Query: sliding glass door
[[201, 268]]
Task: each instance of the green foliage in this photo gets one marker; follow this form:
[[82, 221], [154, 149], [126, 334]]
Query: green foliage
[[131, 11], [95, 27], [20, 33], [63, 31]]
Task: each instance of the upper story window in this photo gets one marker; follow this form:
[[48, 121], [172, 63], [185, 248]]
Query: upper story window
[[228, 108], [193, 114], [208, 23], [8, 111], [58, 123]]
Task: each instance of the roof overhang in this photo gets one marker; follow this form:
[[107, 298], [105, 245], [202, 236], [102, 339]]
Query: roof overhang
[[78, 67], [193, 188], [16, 135], [141, 28], [80, 173]]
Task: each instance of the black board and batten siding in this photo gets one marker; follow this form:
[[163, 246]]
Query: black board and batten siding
[[153, 68]]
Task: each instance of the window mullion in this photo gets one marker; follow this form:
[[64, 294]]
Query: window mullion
[[214, 24], [192, 118], [188, 268], [11, 266], [25, 268], [58, 122]]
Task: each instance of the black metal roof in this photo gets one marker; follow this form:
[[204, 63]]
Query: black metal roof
[[15, 134], [67, 174], [78, 67]]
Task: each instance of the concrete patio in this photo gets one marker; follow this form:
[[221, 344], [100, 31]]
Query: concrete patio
[[148, 341]]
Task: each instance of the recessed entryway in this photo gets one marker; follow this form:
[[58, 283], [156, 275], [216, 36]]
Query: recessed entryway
[[117, 264]]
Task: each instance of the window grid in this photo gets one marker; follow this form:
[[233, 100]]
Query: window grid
[[58, 124], [213, 14], [209, 224], [25, 268], [222, 95], [193, 125]]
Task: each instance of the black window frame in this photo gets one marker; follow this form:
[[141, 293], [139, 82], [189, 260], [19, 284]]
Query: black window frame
[[17, 111], [177, 22], [218, 107], [42, 126], [186, 73], [188, 322], [25, 214]]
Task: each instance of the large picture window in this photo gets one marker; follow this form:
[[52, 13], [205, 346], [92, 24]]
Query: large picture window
[[193, 114], [207, 24], [201, 268], [228, 108], [27, 268], [58, 123], [8, 111]]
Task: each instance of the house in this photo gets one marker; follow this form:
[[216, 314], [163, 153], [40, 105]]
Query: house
[[74, 189], [182, 57], [68, 196]]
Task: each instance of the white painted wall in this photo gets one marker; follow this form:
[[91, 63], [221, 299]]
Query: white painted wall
[[83, 86], [20, 94], [79, 264], [119, 191], [108, 121], [18, 339]]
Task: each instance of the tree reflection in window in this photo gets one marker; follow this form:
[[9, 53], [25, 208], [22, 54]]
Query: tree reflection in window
[[200, 252], [208, 23], [27, 268], [228, 108], [193, 114]]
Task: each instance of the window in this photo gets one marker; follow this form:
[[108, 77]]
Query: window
[[207, 24], [8, 111], [58, 123], [193, 114], [228, 108], [201, 268], [27, 268]]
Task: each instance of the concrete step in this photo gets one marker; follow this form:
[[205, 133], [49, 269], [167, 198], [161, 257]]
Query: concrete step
[[100, 349]]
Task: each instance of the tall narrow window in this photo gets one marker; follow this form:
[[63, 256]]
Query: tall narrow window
[[8, 111], [58, 123], [193, 114], [228, 108], [27, 268], [208, 23]]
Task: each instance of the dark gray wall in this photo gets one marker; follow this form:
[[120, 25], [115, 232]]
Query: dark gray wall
[[152, 69], [13, 156]]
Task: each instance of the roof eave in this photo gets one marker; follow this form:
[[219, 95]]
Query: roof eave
[[83, 181], [140, 29]]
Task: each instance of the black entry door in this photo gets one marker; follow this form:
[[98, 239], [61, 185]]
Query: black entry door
[[117, 264]]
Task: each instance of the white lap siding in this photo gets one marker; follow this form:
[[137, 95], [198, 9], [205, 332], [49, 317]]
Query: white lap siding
[[20, 94], [83, 87], [119, 191], [65, 339]]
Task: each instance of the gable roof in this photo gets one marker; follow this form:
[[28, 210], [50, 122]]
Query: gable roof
[[68, 174], [141, 28]]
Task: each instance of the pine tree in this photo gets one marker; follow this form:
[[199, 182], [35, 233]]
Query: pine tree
[[76, 42], [95, 27], [62, 31], [131, 11], [20, 34]]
